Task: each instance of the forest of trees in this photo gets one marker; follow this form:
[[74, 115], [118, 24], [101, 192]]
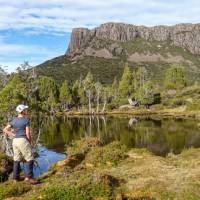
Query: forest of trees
[[44, 94]]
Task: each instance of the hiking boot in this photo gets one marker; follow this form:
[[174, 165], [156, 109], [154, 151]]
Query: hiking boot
[[32, 181]]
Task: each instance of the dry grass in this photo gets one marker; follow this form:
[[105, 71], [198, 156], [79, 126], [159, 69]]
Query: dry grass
[[174, 177], [138, 175]]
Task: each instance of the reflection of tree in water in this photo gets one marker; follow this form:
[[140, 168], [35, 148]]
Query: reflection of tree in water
[[159, 136], [51, 134], [37, 122]]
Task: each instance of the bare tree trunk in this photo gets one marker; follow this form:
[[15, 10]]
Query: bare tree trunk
[[89, 99], [143, 78], [104, 106], [104, 122], [85, 127], [98, 129], [97, 102], [90, 127], [140, 81]]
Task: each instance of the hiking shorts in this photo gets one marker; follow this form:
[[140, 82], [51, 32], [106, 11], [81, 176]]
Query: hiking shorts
[[22, 150]]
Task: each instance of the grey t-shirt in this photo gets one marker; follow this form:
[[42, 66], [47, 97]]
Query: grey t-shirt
[[19, 125]]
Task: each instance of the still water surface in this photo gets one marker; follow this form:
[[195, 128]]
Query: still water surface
[[160, 136]]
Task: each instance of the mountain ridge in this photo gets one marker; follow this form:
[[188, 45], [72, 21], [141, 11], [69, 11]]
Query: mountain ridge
[[181, 35], [104, 51]]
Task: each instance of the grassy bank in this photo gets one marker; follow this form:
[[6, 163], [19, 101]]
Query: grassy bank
[[95, 171], [179, 112], [174, 103]]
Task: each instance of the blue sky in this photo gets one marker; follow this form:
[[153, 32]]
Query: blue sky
[[38, 30]]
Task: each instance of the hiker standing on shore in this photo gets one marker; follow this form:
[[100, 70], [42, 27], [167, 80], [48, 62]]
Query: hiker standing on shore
[[21, 144]]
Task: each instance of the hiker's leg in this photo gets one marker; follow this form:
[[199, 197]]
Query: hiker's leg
[[17, 158], [29, 173], [29, 169], [27, 154], [16, 170]]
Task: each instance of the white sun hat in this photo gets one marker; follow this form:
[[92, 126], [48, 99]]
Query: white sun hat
[[20, 108]]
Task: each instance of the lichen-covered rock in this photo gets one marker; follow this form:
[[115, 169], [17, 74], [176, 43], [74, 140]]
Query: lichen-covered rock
[[186, 36]]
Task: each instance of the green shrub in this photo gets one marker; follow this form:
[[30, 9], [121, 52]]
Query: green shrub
[[72, 193], [99, 190], [112, 106], [194, 107], [62, 193], [10, 189], [178, 102], [109, 154]]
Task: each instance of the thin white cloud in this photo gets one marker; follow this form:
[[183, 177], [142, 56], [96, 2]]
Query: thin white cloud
[[56, 17], [63, 15]]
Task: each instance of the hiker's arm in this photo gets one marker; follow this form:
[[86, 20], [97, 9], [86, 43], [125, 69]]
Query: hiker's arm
[[28, 134], [7, 131]]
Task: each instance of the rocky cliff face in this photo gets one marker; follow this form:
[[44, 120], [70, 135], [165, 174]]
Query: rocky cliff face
[[104, 50], [186, 36]]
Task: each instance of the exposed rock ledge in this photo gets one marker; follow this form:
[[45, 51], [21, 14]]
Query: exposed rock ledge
[[181, 35]]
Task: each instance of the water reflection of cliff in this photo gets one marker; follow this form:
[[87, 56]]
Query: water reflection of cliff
[[159, 136]]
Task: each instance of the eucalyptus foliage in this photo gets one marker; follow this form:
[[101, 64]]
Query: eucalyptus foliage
[[175, 77]]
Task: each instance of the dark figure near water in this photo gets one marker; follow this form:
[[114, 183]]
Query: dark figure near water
[[19, 129]]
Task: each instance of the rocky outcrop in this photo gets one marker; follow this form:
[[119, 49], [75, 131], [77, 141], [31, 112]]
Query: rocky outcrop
[[102, 53], [79, 38], [186, 36]]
